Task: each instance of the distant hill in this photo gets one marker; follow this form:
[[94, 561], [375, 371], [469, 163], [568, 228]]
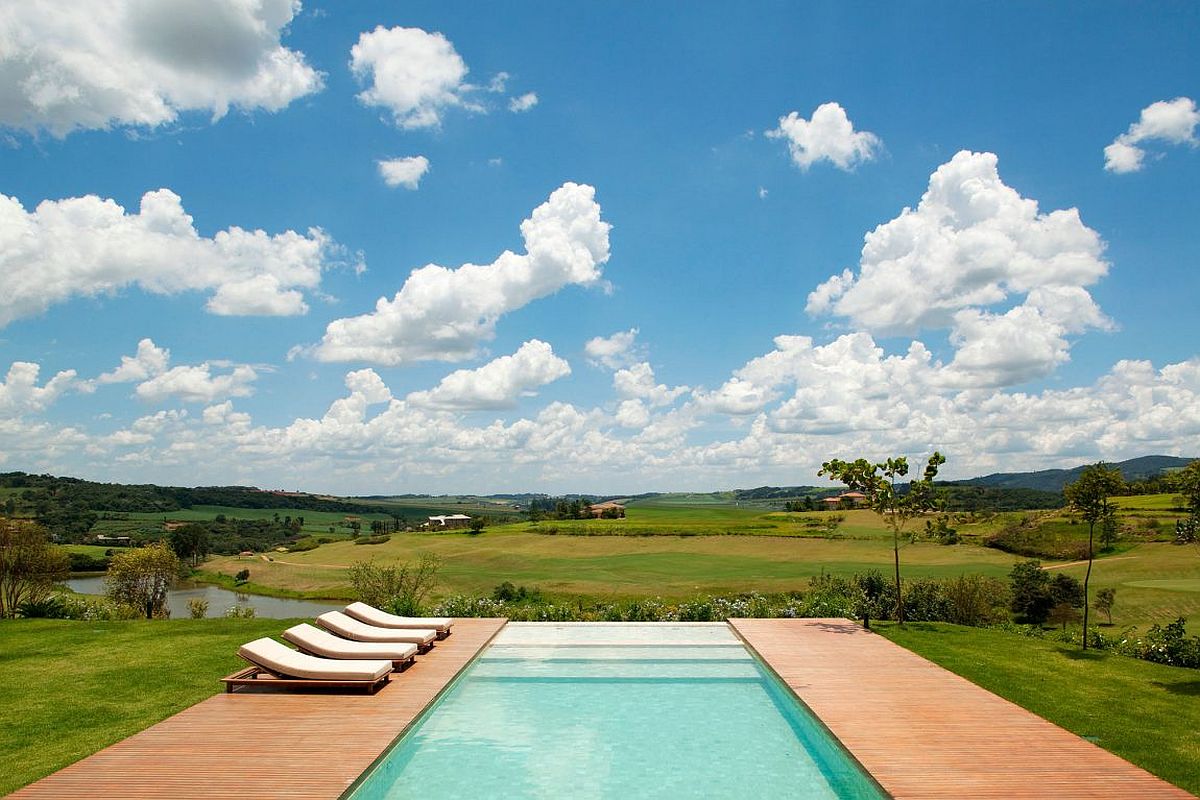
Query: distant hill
[[1053, 480]]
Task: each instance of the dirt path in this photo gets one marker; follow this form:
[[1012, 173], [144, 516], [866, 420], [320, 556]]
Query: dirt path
[[1078, 563]]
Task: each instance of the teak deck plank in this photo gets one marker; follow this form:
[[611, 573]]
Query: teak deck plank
[[924, 732], [268, 743]]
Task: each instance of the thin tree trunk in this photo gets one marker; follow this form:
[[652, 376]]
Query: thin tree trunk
[[899, 595], [1086, 578]]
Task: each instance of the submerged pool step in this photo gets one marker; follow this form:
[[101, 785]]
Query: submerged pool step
[[614, 652], [490, 668]]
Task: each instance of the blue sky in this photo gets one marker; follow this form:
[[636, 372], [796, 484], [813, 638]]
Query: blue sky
[[756, 240]]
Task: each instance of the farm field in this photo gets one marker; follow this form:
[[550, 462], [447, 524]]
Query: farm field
[[677, 552], [672, 567]]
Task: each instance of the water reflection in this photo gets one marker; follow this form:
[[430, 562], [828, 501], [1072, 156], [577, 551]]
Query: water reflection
[[219, 600]]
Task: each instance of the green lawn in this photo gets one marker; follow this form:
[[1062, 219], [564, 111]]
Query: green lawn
[[68, 689], [1146, 713]]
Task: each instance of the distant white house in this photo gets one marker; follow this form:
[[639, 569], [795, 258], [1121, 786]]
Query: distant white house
[[449, 521]]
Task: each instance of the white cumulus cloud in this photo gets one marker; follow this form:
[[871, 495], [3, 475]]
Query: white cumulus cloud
[[414, 74], [638, 382], [197, 384], [149, 361], [406, 172], [970, 244], [88, 246], [442, 313], [20, 393], [1169, 121], [93, 65], [614, 352], [828, 136], [498, 383]]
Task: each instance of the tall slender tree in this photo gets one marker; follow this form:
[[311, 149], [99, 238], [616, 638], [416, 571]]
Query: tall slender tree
[[891, 500], [1090, 498]]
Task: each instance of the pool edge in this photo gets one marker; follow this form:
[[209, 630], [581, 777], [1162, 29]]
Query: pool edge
[[420, 715], [850, 756]]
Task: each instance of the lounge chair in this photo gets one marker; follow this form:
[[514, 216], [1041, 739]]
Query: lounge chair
[[382, 619], [317, 642], [350, 628], [275, 664]]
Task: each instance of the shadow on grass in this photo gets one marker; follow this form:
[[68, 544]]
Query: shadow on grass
[[1084, 655], [923, 627], [1190, 688]]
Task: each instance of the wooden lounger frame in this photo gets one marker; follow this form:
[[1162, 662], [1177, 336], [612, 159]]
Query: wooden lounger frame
[[255, 675]]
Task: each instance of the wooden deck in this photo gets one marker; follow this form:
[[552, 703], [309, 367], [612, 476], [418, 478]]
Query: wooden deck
[[924, 732], [260, 744]]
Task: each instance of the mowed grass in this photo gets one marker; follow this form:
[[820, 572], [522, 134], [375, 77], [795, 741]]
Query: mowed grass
[[671, 567], [68, 689], [713, 520], [1146, 713], [1155, 583]]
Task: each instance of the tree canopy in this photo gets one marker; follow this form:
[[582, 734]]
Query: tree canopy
[[29, 564], [893, 501], [1090, 498], [141, 577]]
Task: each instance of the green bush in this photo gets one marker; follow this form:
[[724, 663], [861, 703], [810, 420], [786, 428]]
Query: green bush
[[48, 607], [399, 589], [198, 607], [975, 600], [84, 562]]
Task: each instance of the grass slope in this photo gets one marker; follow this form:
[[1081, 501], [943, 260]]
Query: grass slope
[[1146, 713], [69, 689], [672, 567]]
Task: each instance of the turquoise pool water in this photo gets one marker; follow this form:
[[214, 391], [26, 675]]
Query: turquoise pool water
[[616, 711]]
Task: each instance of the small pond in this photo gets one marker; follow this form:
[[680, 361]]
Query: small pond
[[219, 600]]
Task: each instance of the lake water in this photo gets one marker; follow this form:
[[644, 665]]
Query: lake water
[[219, 600]]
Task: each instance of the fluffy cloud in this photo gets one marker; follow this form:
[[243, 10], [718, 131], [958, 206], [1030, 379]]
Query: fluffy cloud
[[498, 383], [970, 244], [614, 352], [828, 136], [406, 172], [637, 382], [20, 393], [150, 360], [87, 246], [442, 313], [1169, 121], [844, 398], [521, 104], [67, 66], [414, 74], [197, 384]]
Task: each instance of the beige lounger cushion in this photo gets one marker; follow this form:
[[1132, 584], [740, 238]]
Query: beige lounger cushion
[[350, 628], [282, 660], [326, 645], [382, 619]]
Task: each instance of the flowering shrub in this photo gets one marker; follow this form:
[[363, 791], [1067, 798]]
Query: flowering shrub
[[1165, 644], [73, 606]]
